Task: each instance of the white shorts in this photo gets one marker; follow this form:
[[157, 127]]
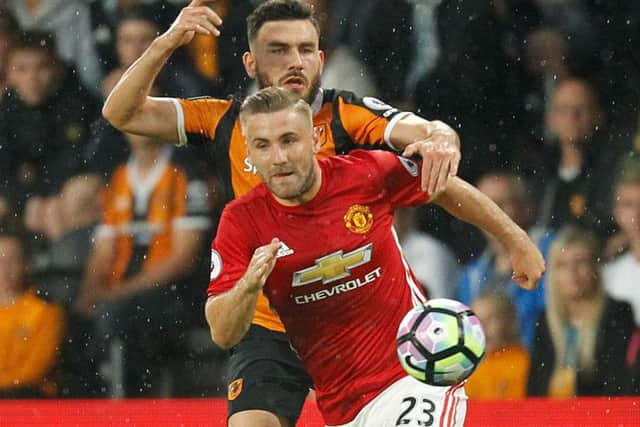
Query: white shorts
[[408, 402]]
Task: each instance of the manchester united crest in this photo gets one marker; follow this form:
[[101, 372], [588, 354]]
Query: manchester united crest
[[358, 219]]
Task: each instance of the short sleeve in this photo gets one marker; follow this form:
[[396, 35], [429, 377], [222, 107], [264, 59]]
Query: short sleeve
[[198, 118], [368, 120], [230, 254]]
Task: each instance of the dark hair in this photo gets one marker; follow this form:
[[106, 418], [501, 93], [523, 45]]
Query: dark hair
[[279, 10], [272, 99], [37, 40]]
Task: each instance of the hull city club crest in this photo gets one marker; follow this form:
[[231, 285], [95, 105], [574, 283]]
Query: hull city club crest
[[358, 219]]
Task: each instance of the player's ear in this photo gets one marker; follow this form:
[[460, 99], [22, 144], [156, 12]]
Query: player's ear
[[321, 54], [249, 64]]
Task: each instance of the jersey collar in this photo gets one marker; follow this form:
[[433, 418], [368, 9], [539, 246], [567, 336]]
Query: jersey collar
[[316, 105]]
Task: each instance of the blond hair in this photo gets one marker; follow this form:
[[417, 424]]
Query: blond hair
[[556, 313], [271, 100]]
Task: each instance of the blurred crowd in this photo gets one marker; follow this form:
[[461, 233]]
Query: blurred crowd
[[104, 236]]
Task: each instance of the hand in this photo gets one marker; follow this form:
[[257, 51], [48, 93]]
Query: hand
[[528, 264], [196, 17], [261, 266], [440, 158]]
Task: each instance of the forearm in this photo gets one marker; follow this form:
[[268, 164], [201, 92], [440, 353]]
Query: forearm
[[468, 204], [412, 128], [229, 315], [131, 92]]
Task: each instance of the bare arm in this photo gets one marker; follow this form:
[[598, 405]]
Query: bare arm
[[467, 203], [229, 314], [129, 106], [436, 142]]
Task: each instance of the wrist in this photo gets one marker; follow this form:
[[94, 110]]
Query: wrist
[[248, 288], [515, 239], [162, 47]]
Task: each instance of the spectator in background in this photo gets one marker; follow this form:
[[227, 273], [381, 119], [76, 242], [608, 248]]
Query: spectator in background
[[217, 59], [577, 184], [135, 31], [582, 339], [68, 227], [8, 32], [31, 330], [546, 62], [503, 371], [467, 84], [622, 275], [44, 121], [343, 67], [491, 272], [146, 251], [70, 22], [432, 261]]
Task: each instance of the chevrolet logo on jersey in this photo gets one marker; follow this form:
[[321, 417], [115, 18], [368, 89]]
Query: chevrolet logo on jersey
[[334, 266]]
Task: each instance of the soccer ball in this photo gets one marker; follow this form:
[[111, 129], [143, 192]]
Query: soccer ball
[[440, 343]]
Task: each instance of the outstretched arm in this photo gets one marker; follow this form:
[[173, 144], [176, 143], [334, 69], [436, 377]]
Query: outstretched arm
[[229, 314], [129, 106], [467, 203]]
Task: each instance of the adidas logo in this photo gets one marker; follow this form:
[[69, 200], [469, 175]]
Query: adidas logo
[[284, 250]]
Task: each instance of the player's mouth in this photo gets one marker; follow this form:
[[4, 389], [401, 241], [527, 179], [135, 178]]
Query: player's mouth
[[281, 175], [295, 83]]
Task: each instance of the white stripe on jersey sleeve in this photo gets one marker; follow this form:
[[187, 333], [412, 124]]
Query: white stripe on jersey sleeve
[[417, 293], [182, 134], [387, 130]]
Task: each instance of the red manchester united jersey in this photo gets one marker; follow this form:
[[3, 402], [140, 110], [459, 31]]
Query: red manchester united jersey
[[340, 284], [344, 122]]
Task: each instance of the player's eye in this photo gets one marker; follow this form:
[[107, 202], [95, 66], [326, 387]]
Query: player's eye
[[278, 50]]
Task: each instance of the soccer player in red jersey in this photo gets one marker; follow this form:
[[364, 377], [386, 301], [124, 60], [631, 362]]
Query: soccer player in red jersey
[[267, 385], [317, 238]]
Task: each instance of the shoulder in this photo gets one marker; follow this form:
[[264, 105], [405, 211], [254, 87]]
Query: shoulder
[[254, 201], [208, 105], [346, 100], [210, 101], [361, 161]]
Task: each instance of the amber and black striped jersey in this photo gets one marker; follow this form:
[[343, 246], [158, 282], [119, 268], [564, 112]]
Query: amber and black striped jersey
[[141, 213], [345, 122]]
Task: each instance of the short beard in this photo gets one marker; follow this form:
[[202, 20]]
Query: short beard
[[304, 188], [313, 88]]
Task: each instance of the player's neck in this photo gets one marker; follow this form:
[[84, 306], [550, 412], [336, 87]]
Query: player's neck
[[309, 194]]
